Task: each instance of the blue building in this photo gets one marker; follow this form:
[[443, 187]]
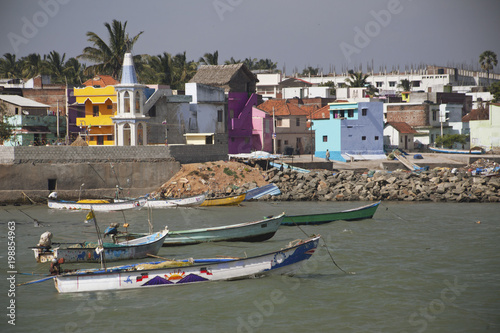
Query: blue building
[[350, 129]]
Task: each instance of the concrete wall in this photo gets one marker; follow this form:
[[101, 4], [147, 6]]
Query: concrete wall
[[34, 171]]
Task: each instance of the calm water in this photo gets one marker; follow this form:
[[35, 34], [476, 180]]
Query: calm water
[[424, 267]]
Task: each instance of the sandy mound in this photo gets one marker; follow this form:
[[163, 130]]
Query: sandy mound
[[214, 177]]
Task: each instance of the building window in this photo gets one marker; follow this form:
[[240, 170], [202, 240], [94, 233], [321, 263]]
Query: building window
[[392, 83], [279, 122], [415, 83], [376, 137], [17, 111], [100, 140], [434, 115], [363, 138], [364, 111], [95, 110], [325, 138], [350, 113], [379, 84], [335, 114], [297, 121], [297, 143], [342, 114], [285, 142], [401, 140], [220, 116], [109, 106], [109, 138]]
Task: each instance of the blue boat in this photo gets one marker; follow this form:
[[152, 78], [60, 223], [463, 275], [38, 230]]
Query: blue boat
[[258, 192]]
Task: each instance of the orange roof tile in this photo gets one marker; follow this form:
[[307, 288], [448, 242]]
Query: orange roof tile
[[322, 113], [101, 81], [282, 108], [402, 127]]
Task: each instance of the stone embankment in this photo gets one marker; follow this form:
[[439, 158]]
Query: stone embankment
[[434, 185]]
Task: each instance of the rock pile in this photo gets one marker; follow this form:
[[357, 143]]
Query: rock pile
[[434, 185]]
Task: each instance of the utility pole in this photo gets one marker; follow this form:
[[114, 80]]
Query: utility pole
[[57, 120], [274, 134], [66, 110]]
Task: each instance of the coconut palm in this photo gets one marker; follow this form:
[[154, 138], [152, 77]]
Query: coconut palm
[[405, 84], [108, 57], [9, 67], [74, 72], [33, 65], [356, 79], [182, 70], [156, 69], [210, 59], [488, 60], [55, 66]]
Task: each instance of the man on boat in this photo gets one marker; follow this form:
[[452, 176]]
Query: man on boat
[[55, 266], [112, 231]]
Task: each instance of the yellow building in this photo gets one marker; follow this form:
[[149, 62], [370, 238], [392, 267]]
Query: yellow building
[[100, 106], [405, 96]]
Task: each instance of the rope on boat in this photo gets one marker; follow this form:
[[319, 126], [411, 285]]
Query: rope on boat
[[326, 246]]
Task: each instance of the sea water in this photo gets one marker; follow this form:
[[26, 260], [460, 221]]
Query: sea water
[[414, 267]]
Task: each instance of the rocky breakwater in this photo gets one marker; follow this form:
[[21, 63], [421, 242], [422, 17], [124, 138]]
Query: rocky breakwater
[[434, 185]]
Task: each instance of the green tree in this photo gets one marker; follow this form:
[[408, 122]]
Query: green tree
[[33, 65], [331, 84], [494, 89], [156, 69], [10, 68], [108, 57], [74, 72], [488, 60], [5, 127], [310, 71], [356, 79], [56, 67], [448, 140], [405, 84], [182, 70], [210, 58]]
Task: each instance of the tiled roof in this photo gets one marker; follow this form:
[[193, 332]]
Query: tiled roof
[[322, 113], [101, 81], [220, 74], [22, 101], [402, 127], [476, 114], [282, 108]]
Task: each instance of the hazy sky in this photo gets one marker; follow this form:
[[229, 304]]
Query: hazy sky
[[295, 34]]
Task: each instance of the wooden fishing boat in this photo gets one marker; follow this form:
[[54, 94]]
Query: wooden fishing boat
[[242, 232], [95, 204], [258, 192], [86, 251], [171, 273], [225, 201], [192, 201], [475, 151], [364, 212]]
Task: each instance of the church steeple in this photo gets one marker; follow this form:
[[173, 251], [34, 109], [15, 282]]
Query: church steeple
[[128, 70]]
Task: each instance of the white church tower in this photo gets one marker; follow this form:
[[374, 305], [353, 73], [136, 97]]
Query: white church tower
[[130, 122]]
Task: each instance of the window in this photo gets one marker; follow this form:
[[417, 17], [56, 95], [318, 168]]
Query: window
[[363, 138], [297, 121], [364, 111], [297, 143], [434, 115], [325, 138], [379, 84], [285, 142], [392, 83], [126, 102], [100, 140], [415, 83], [335, 114], [95, 110], [220, 116], [350, 113], [279, 122], [109, 138], [376, 137], [17, 110], [109, 106], [342, 114]]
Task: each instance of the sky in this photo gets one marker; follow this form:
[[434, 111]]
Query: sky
[[332, 35]]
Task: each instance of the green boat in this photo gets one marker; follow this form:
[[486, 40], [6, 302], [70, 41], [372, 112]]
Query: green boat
[[364, 212]]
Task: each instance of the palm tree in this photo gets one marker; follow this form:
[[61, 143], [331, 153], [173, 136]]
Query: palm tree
[[9, 67], [405, 84], [210, 59], [33, 65], [182, 70], [488, 60], [356, 79], [232, 61], [109, 57], [74, 72], [310, 71], [55, 66], [156, 69]]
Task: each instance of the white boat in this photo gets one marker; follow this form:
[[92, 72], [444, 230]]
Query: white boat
[[171, 273], [87, 251], [95, 204], [192, 201]]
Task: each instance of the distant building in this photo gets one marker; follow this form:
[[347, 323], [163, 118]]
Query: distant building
[[486, 133], [234, 77], [351, 130], [33, 123], [399, 135]]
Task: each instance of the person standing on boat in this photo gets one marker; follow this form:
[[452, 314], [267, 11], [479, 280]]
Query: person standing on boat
[[327, 155], [112, 231]]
